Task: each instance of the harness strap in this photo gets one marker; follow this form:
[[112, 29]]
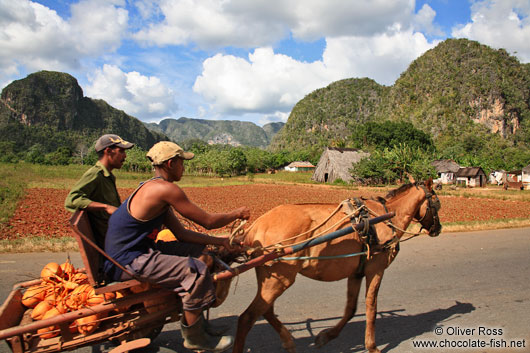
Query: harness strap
[[368, 235]]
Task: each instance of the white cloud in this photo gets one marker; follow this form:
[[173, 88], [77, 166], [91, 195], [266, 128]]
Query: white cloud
[[265, 82], [382, 57], [268, 82], [33, 37], [424, 21], [146, 98], [243, 23], [98, 25], [500, 24]]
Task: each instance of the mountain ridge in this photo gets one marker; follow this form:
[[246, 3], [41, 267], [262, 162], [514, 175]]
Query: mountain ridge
[[232, 132], [456, 90]]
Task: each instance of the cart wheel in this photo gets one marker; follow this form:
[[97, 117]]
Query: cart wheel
[[154, 332], [131, 345]]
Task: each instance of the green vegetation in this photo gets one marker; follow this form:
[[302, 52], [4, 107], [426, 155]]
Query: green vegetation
[[12, 185], [327, 116], [389, 165], [387, 134]]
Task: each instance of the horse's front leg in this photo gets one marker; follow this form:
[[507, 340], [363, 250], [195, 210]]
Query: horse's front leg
[[272, 282], [354, 286], [373, 282], [285, 335]]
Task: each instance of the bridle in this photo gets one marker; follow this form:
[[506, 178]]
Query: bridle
[[433, 206]]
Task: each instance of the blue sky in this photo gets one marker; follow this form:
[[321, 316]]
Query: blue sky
[[250, 60]]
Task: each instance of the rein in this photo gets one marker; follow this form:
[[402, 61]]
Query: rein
[[351, 213]]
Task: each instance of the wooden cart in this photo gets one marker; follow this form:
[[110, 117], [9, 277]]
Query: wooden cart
[[131, 321]]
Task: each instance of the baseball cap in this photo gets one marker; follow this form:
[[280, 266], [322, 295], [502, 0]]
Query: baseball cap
[[109, 140], [165, 150]]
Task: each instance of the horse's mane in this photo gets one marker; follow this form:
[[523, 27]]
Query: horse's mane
[[401, 189]]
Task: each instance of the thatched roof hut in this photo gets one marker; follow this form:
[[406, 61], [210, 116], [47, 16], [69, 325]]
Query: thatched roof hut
[[299, 166], [335, 163], [445, 166]]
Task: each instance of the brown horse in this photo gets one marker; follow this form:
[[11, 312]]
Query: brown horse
[[289, 224]]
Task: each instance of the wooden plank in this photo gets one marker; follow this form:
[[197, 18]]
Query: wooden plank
[[90, 256], [12, 310]]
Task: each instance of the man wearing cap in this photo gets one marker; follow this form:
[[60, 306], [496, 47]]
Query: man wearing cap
[[96, 191], [131, 238]]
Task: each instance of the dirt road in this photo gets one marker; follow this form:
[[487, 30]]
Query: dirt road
[[471, 288]]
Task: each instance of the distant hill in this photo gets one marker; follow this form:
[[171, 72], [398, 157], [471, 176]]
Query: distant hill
[[231, 132], [48, 109], [459, 88], [329, 113]]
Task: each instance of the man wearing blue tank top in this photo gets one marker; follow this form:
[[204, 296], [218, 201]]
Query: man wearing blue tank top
[[131, 238]]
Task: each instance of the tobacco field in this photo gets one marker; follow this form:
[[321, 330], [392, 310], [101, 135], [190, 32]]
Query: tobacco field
[[41, 211]]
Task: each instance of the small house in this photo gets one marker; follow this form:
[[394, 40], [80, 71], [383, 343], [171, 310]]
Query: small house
[[471, 177], [300, 167], [525, 177], [514, 176], [446, 170], [335, 163]]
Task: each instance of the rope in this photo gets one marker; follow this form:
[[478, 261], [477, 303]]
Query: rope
[[278, 246], [348, 215]]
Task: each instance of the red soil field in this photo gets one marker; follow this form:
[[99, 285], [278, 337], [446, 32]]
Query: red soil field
[[41, 212]]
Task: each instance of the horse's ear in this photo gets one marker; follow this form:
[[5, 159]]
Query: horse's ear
[[411, 179], [428, 184]]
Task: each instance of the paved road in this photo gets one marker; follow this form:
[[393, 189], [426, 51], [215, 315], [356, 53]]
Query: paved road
[[465, 284]]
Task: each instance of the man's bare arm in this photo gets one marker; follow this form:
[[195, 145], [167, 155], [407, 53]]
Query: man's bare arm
[[185, 235], [180, 202], [98, 206]]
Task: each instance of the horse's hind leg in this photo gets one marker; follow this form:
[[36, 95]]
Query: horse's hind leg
[[272, 282], [285, 335], [354, 286]]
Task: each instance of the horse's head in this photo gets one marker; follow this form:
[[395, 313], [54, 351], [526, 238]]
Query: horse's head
[[427, 214]]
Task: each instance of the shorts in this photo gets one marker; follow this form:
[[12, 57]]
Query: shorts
[[185, 275]]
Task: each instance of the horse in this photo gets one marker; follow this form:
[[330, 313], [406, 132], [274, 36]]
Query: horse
[[288, 224]]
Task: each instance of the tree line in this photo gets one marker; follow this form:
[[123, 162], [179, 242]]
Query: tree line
[[396, 148]]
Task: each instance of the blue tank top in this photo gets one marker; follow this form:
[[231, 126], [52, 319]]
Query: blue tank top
[[128, 237]]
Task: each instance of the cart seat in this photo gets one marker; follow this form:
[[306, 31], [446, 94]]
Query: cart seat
[[92, 257]]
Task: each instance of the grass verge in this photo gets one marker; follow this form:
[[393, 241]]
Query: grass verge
[[38, 244]]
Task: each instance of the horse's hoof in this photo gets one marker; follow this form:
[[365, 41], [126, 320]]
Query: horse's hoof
[[290, 347], [322, 339]]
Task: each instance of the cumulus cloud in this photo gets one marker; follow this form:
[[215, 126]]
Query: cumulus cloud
[[265, 82], [243, 23], [270, 82], [146, 98], [500, 24], [33, 37], [424, 21]]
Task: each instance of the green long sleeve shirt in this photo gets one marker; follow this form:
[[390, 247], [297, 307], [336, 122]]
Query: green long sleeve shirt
[[96, 185]]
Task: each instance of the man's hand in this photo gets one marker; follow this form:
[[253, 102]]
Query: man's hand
[[235, 247], [243, 213], [110, 209], [98, 206]]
